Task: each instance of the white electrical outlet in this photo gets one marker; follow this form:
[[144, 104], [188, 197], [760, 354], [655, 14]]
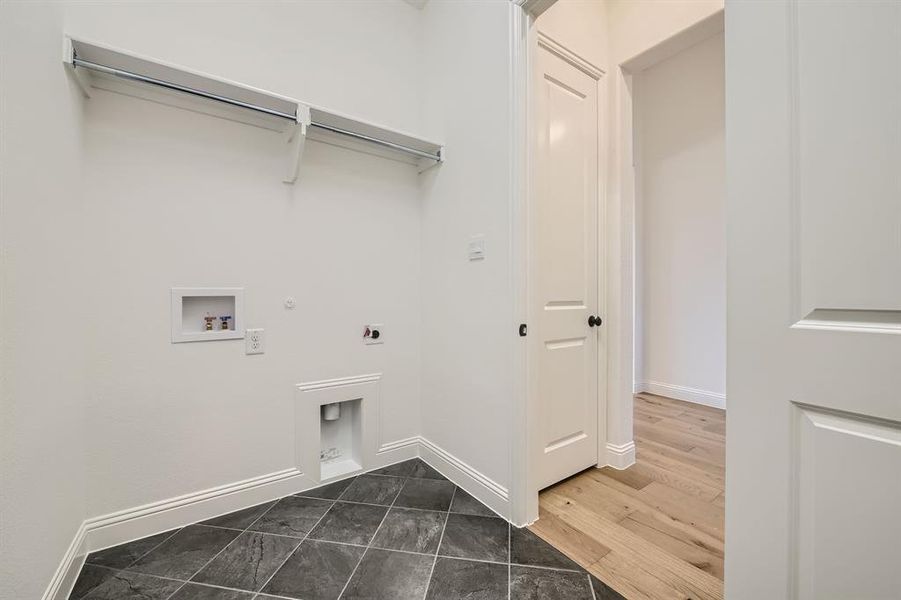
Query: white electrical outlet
[[374, 334], [254, 341]]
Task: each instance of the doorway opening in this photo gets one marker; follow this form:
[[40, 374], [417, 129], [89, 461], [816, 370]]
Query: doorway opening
[[645, 512]]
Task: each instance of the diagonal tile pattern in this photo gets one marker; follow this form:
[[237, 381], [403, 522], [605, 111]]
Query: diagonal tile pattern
[[186, 552], [403, 532]]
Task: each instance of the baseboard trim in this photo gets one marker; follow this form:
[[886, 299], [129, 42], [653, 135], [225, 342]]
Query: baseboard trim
[[482, 487], [621, 456], [681, 392], [411, 442], [64, 578], [137, 522], [131, 524]]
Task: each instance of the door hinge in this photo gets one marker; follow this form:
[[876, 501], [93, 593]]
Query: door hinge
[[523, 329]]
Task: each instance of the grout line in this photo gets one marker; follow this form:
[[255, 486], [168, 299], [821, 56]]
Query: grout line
[[182, 581], [245, 531], [284, 535], [290, 554], [392, 505], [352, 573], [215, 556], [178, 589], [509, 560], [590, 586], [368, 544], [428, 583], [271, 503], [442, 478], [217, 586], [168, 537], [543, 568], [221, 527], [259, 595], [263, 514], [396, 496]]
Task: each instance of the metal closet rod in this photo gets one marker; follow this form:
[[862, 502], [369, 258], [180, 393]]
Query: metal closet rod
[[393, 146], [78, 62], [179, 88]]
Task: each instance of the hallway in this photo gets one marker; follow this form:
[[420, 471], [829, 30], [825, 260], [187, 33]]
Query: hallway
[[656, 529]]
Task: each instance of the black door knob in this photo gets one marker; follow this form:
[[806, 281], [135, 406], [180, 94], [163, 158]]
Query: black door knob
[[594, 321]]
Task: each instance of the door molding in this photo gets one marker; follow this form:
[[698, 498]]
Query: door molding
[[548, 43], [523, 498]]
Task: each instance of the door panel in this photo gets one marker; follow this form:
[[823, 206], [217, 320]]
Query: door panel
[[849, 483], [813, 96], [849, 141], [564, 267]]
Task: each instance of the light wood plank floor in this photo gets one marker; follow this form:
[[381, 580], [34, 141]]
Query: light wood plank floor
[[655, 530]]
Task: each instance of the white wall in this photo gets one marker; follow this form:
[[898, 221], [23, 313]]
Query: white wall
[[638, 25], [580, 26], [109, 202], [180, 199], [468, 324], [43, 337], [681, 253]]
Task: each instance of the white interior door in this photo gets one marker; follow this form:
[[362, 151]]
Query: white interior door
[[813, 452], [564, 267]]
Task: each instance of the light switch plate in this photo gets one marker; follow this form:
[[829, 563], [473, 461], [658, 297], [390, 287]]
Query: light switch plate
[[477, 247]]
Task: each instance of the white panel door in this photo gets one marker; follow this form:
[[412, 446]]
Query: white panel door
[[564, 267], [813, 451]]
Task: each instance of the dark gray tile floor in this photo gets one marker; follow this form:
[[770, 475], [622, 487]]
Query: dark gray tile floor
[[400, 533]]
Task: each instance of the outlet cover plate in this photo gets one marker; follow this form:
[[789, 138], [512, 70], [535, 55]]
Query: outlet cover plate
[[254, 341]]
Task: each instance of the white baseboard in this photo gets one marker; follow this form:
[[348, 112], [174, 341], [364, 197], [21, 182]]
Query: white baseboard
[[411, 445], [492, 494], [681, 392], [140, 521], [621, 456], [135, 523], [64, 578]]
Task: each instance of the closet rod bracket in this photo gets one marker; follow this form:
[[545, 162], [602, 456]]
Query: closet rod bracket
[[78, 75], [297, 138]]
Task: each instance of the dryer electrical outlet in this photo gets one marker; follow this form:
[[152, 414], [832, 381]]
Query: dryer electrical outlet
[[374, 334]]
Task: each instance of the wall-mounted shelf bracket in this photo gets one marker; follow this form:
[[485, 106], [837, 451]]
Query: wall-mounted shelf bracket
[[100, 66], [297, 139], [81, 78]]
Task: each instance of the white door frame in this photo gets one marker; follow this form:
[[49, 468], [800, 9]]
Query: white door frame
[[524, 43], [617, 254]]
